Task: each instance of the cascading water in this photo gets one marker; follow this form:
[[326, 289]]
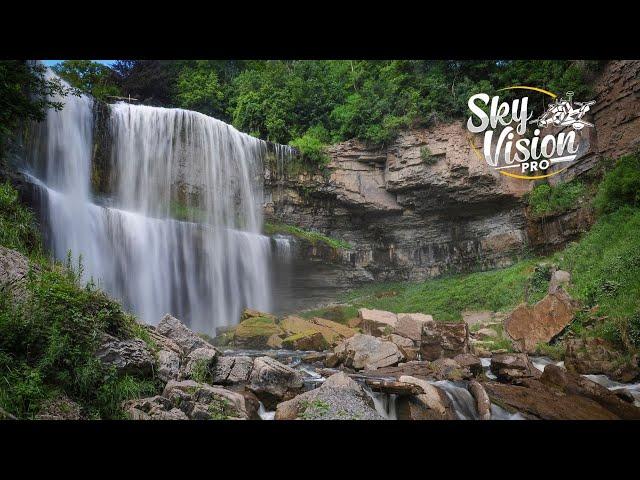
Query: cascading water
[[165, 164]]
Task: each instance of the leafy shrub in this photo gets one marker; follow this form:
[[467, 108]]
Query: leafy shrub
[[18, 226], [427, 157], [545, 200], [312, 149], [620, 186]]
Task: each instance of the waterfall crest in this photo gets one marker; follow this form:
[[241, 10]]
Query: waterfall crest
[[180, 232]]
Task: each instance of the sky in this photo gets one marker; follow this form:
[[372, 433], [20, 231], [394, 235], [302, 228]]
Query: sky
[[51, 63]]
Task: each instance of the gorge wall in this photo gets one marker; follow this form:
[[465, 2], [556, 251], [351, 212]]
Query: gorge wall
[[426, 204]]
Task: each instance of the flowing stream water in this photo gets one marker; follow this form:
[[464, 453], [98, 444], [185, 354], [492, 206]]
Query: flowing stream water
[[180, 231]]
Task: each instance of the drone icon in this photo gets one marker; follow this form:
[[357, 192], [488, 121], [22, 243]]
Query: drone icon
[[562, 114]]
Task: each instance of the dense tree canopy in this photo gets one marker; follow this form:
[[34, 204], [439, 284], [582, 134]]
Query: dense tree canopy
[[312, 103]]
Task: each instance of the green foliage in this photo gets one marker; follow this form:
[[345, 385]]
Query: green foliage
[[314, 410], [312, 147], [91, 77], [427, 157], [310, 236], [24, 92], [546, 200], [18, 226], [199, 89], [47, 344], [620, 186]]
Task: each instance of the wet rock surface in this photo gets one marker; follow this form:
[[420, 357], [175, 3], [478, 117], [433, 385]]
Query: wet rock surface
[[131, 356], [597, 356]]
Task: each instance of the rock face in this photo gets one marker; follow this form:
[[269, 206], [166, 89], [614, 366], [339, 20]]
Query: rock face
[[59, 408], [367, 352], [441, 339], [410, 325], [274, 382], [597, 356], [338, 398], [14, 268], [527, 326], [232, 370], [177, 331], [127, 356], [153, 408], [202, 358]]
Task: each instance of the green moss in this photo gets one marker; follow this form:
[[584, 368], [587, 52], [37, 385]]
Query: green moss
[[336, 313], [310, 236], [257, 326], [189, 213], [427, 157]]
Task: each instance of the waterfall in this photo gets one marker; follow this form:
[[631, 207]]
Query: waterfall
[[180, 231]]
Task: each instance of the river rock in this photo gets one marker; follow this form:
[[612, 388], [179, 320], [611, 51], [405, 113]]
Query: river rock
[[305, 332], [181, 335], [471, 362], [377, 322], [483, 404], [168, 365], [367, 352], [200, 401], [406, 345], [338, 398], [14, 268], [534, 400], [274, 382], [232, 370], [153, 408], [341, 331], [527, 326], [559, 278], [571, 383], [431, 404], [597, 356], [200, 358], [410, 325], [131, 356], [511, 366], [310, 340], [441, 339], [258, 332]]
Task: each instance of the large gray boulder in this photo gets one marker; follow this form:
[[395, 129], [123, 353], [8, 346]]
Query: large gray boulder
[[202, 358], [440, 339], [377, 322], [338, 398], [131, 356], [367, 352], [184, 337], [274, 382], [152, 408], [232, 370], [511, 366], [200, 401], [168, 365]]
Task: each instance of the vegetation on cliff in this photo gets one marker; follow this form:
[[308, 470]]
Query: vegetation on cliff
[[310, 104]]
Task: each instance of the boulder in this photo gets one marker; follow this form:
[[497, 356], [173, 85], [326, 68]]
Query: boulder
[[571, 383], [483, 404], [332, 332], [131, 356], [153, 408], [232, 370], [441, 339], [338, 398], [431, 404], [248, 313], [343, 331], [527, 326], [534, 400], [448, 369], [406, 346], [14, 268], [486, 334], [200, 401], [511, 366], [559, 278], [258, 332], [597, 356], [471, 362], [181, 335], [377, 322], [202, 358], [367, 352], [410, 325], [310, 340], [168, 365], [274, 382]]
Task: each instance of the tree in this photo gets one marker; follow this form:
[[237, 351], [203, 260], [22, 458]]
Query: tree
[[91, 77]]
